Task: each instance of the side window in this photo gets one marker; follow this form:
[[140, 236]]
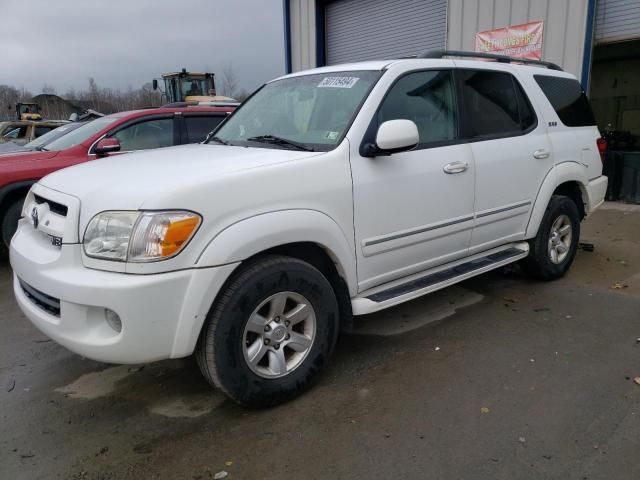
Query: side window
[[200, 125], [41, 130], [494, 104], [16, 133], [154, 133], [428, 99], [568, 100]]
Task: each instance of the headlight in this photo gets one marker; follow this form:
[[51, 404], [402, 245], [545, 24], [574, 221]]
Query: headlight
[[139, 236]]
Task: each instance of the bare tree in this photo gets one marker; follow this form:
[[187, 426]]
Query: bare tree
[[229, 80], [48, 89], [242, 95], [9, 96]]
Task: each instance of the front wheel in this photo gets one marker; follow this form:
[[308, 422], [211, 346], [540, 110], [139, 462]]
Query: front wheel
[[10, 219], [270, 332], [553, 249]]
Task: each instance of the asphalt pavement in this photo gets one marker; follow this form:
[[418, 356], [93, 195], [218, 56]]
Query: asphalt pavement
[[500, 377]]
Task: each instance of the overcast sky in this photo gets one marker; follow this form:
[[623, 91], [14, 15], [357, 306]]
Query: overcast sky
[[124, 43]]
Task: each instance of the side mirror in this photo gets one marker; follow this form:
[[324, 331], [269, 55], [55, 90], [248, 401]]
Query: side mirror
[[155, 83], [394, 136], [107, 145]]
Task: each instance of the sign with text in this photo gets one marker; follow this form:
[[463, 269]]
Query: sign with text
[[519, 41]]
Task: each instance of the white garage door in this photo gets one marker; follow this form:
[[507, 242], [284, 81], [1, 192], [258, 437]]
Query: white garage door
[[617, 20], [379, 29]]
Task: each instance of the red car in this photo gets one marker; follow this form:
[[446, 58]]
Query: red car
[[111, 135]]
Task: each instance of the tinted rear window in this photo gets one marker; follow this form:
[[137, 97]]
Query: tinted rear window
[[568, 100]]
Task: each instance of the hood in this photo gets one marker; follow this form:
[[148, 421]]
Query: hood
[[24, 159], [129, 181]]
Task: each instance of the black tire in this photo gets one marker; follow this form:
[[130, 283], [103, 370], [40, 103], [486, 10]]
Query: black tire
[[220, 347], [10, 221], [539, 263]]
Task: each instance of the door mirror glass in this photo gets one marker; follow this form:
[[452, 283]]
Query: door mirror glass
[[107, 145], [396, 136]]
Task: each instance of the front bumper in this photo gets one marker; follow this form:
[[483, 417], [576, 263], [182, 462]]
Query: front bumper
[[161, 314]]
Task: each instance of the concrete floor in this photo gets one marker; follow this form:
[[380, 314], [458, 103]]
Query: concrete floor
[[498, 378]]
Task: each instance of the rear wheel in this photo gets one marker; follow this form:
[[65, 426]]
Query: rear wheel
[[553, 249], [10, 221], [270, 332]]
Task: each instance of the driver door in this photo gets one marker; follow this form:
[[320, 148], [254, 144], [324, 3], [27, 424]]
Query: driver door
[[410, 214]]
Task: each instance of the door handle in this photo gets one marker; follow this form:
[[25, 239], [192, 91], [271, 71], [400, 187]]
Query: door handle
[[455, 167], [541, 154]]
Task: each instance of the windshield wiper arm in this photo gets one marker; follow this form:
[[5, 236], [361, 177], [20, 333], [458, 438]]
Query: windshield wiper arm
[[280, 141], [215, 139], [41, 149]]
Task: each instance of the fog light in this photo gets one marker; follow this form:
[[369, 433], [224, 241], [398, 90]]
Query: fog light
[[113, 319]]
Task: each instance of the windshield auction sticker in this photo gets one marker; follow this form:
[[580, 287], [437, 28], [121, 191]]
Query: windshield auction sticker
[[338, 82]]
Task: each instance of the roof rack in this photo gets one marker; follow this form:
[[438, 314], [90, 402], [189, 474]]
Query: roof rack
[[490, 56]]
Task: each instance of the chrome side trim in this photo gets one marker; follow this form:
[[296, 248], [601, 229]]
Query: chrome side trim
[[396, 236]]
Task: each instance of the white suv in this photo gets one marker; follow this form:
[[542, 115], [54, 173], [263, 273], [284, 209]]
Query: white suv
[[332, 192]]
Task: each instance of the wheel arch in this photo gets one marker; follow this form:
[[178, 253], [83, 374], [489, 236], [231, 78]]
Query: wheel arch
[[13, 191], [566, 179], [305, 234]]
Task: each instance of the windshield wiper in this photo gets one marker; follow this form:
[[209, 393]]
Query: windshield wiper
[[41, 149], [280, 141], [216, 139]]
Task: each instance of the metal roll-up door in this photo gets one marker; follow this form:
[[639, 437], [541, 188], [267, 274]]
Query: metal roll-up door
[[617, 20], [379, 29]]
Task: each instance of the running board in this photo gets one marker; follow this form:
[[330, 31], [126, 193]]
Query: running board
[[405, 289]]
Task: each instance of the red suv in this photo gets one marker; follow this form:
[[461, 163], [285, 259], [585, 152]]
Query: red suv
[[111, 135]]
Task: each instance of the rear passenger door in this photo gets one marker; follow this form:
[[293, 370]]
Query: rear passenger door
[[196, 127], [512, 154]]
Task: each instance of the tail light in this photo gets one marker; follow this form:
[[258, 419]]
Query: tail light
[[602, 148]]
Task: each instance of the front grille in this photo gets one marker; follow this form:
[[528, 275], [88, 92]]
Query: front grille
[[45, 302], [54, 207]]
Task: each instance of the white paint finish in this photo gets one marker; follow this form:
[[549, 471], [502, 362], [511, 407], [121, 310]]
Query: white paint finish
[[380, 219], [396, 195], [564, 25], [160, 316], [396, 134], [238, 241], [507, 174], [369, 65]]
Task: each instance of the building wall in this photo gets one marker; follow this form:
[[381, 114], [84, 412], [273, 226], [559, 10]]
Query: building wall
[[617, 20], [564, 25], [302, 24]]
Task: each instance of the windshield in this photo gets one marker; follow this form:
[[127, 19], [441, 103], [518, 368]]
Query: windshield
[[52, 135], [312, 111], [80, 134]]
